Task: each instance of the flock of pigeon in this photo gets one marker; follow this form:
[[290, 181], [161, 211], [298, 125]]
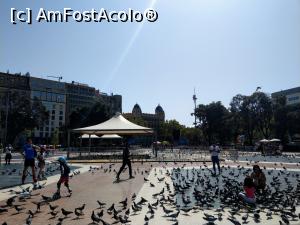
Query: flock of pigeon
[[176, 195], [13, 174]]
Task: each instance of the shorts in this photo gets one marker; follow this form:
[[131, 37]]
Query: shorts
[[63, 179], [215, 159], [8, 156], [247, 199], [29, 163]]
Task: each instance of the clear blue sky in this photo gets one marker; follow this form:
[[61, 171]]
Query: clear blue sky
[[219, 47]]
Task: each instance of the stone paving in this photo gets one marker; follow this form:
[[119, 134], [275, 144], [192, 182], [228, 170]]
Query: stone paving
[[97, 182]]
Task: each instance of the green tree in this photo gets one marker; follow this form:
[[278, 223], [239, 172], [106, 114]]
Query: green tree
[[214, 121], [170, 131], [24, 115]]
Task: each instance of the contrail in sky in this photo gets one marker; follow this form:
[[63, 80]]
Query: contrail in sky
[[126, 50]]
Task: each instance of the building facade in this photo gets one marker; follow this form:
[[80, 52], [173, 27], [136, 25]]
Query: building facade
[[292, 95], [114, 102], [52, 94], [151, 120], [59, 98], [10, 85]]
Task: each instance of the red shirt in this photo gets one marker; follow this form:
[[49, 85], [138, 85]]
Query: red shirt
[[250, 192]]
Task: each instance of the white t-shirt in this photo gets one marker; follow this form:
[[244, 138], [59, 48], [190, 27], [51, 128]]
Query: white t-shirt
[[214, 150]]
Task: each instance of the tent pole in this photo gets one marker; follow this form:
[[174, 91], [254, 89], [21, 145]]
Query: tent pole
[[69, 139], [80, 146], [89, 145]]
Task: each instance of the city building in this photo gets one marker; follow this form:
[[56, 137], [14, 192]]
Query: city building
[[10, 85], [59, 98], [151, 120], [81, 95], [292, 95], [52, 94], [114, 102]]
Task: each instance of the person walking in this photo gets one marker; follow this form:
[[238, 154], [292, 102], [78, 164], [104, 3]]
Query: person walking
[[126, 161], [8, 154], [29, 154], [214, 151]]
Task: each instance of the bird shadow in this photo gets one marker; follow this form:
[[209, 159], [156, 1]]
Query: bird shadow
[[120, 181], [77, 218]]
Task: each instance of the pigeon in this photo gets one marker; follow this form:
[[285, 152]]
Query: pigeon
[[65, 212], [18, 208], [78, 213], [53, 213], [112, 207], [52, 208], [81, 208], [101, 204], [100, 214], [10, 201], [234, 221], [28, 220], [2, 210], [95, 218], [30, 213]]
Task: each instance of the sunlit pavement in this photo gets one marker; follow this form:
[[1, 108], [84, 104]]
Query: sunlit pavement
[[98, 184]]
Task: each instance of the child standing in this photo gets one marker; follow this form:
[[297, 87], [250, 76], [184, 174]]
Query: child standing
[[64, 178], [41, 164], [248, 196]]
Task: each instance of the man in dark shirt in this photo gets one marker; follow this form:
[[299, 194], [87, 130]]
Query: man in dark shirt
[[126, 161], [29, 154]]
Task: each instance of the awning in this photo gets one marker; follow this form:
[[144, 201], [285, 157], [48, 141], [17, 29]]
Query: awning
[[115, 125], [87, 136], [110, 136]]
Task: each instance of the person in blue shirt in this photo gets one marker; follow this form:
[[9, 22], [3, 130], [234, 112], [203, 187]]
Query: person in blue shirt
[[29, 154]]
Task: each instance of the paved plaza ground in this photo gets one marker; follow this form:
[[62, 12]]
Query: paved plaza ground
[[156, 183]]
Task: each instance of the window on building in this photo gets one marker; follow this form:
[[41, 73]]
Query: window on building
[[46, 135], [41, 134], [53, 106], [52, 117], [60, 124], [61, 112], [60, 118], [53, 111]]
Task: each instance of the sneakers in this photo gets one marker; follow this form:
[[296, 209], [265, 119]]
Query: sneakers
[[70, 191], [131, 177]]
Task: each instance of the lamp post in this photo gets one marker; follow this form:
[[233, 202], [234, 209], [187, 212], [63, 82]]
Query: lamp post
[[195, 106]]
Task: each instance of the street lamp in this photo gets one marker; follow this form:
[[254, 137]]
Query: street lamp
[[195, 106]]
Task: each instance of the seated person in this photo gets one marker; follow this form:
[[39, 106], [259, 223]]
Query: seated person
[[259, 178], [248, 196]]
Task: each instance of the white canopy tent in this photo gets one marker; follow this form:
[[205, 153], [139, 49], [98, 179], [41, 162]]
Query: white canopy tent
[[114, 126], [86, 136], [110, 136]]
